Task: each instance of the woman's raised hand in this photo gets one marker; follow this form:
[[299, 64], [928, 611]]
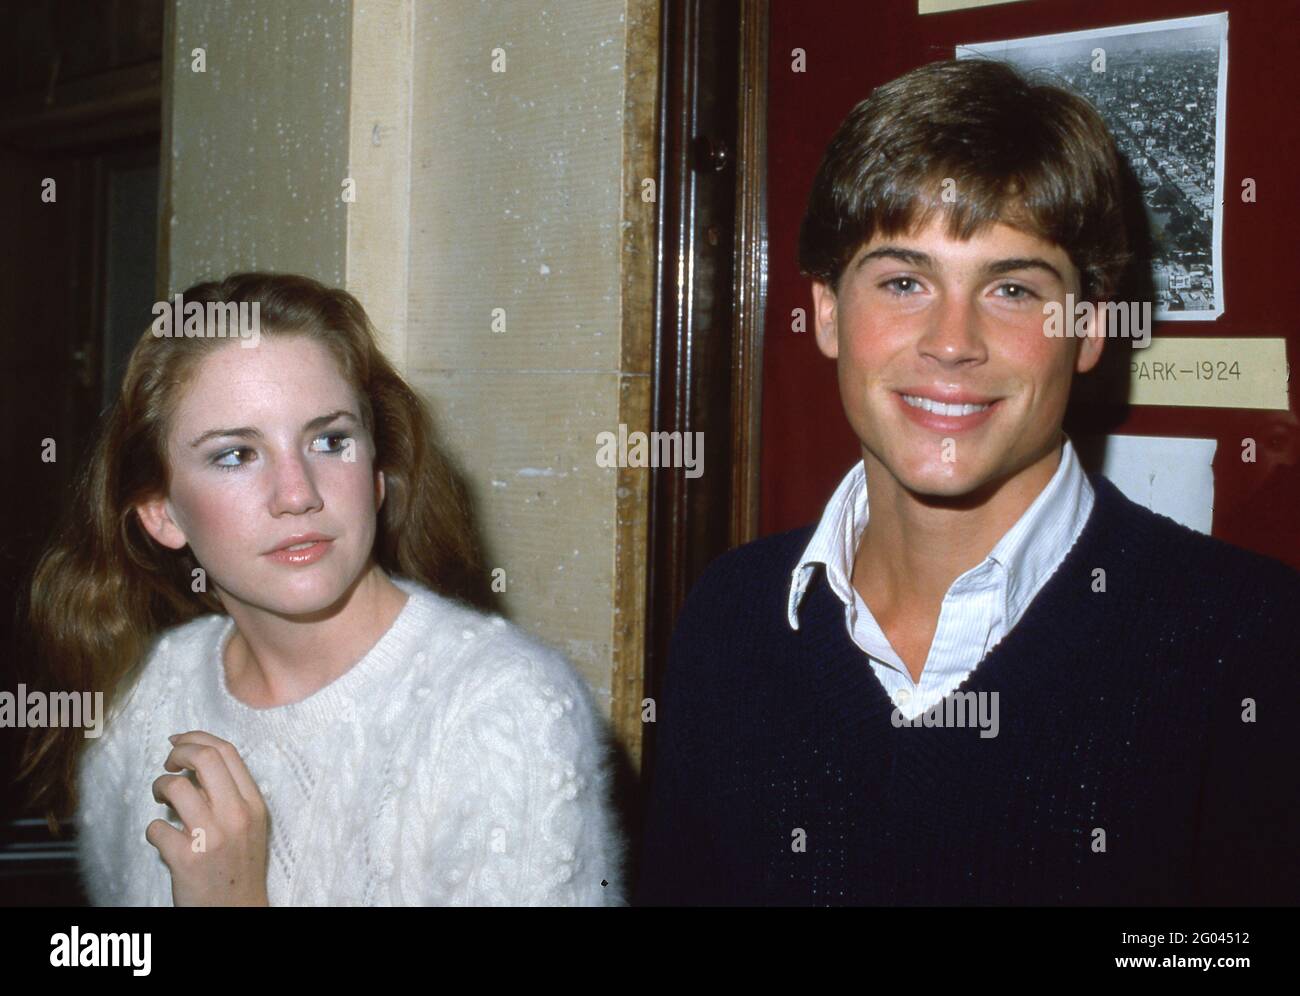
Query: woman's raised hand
[[220, 858]]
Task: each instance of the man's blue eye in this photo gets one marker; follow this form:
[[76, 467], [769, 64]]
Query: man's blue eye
[[1025, 292]]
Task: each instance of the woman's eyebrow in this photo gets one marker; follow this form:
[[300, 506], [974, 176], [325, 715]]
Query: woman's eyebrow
[[247, 432]]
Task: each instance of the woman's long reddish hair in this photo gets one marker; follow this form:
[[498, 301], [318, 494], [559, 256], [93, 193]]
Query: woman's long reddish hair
[[103, 588]]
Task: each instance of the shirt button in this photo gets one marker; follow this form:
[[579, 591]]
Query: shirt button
[[902, 697]]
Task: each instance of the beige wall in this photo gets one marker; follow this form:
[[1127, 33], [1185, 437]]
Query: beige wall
[[258, 141], [475, 190]]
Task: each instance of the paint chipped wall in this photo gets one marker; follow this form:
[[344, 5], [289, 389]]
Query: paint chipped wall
[[258, 140], [514, 327]]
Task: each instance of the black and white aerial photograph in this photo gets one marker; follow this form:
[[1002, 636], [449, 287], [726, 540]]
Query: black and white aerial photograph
[[1160, 87]]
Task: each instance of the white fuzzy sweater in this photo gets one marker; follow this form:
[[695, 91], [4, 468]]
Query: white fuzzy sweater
[[460, 762]]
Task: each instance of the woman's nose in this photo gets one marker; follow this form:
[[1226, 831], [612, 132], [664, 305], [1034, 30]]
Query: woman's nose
[[294, 486]]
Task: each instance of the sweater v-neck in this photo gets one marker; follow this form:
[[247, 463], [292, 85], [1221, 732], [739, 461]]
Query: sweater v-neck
[[335, 702], [850, 696]]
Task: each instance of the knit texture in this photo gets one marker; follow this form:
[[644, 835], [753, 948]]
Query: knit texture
[[1122, 772], [460, 762]]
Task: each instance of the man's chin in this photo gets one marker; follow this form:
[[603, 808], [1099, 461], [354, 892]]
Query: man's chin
[[948, 486]]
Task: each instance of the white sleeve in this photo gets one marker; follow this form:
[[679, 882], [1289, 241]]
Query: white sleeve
[[101, 817], [524, 804]]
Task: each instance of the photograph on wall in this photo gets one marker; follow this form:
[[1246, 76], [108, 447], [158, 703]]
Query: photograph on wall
[[1161, 87]]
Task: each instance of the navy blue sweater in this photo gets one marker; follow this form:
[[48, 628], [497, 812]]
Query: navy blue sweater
[[1122, 771]]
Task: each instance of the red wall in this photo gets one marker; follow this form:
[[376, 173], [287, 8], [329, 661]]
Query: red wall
[[852, 48]]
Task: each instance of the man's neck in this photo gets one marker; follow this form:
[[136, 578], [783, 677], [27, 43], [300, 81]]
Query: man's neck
[[915, 546]]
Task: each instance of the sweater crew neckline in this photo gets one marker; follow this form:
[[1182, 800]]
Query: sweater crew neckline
[[337, 701]]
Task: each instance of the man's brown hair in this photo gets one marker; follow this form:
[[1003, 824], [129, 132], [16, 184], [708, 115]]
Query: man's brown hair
[[1032, 155]]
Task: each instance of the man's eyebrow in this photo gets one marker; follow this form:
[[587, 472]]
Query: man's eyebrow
[[914, 257], [246, 432], [1022, 263]]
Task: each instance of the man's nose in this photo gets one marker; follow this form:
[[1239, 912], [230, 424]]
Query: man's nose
[[954, 331]]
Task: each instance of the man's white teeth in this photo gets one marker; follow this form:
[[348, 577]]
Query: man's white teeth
[[302, 546], [939, 408]]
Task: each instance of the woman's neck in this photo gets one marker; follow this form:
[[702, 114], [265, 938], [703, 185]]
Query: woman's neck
[[272, 660]]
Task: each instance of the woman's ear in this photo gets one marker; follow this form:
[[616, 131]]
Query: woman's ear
[[159, 522], [379, 491]]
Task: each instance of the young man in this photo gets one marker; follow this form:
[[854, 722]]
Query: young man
[[985, 676]]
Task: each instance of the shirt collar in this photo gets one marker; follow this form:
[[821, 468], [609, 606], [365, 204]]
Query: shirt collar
[[834, 542], [1034, 547], [1027, 552]]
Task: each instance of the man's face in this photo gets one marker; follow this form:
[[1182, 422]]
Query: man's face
[[928, 317]]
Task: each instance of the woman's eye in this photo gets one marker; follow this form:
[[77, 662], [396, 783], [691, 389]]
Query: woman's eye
[[223, 461], [333, 450], [340, 437]]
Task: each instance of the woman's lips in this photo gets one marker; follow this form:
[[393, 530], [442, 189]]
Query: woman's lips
[[309, 554], [946, 423]]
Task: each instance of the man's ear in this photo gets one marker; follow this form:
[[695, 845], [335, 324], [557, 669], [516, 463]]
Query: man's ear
[[380, 491], [824, 303], [159, 522], [1091, 346]]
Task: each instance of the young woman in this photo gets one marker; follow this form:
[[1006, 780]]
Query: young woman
[[266, 569]]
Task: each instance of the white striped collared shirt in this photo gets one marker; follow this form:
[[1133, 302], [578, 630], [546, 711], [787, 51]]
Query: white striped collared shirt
[[981, 606]]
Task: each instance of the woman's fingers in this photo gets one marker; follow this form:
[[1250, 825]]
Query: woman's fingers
[[235, 766], [183, 796], [211, 767], [225, 814], [168, 841]]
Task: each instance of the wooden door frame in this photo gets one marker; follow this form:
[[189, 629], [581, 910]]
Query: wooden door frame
[[712, 173]]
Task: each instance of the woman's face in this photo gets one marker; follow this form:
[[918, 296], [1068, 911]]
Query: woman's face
[[267, 445]]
